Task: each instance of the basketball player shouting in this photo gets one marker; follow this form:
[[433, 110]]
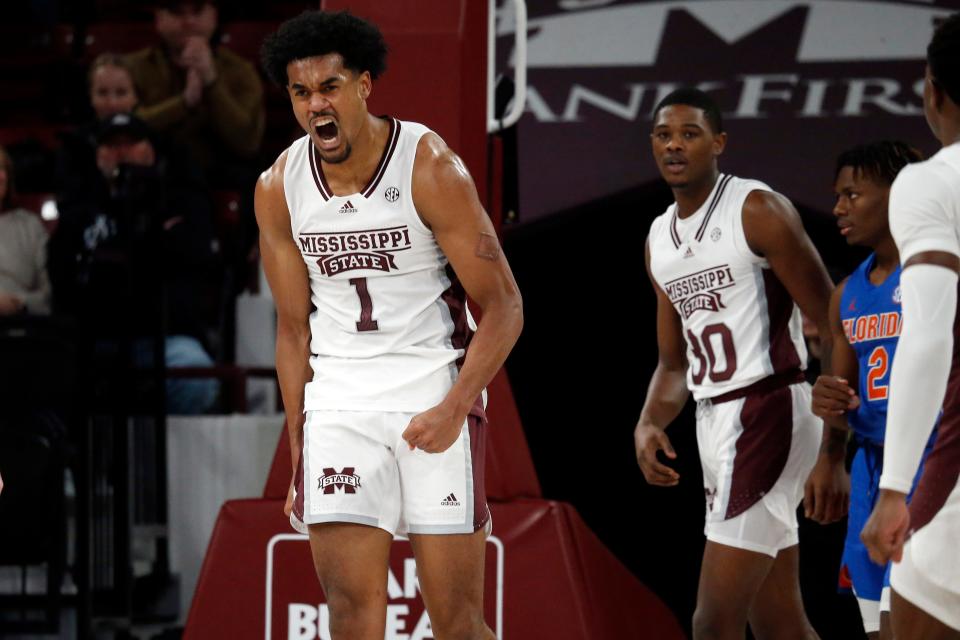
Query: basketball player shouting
[[372, 235]]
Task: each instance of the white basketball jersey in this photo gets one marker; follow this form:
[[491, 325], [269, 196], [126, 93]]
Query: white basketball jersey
[[390, 325], [739, 322]]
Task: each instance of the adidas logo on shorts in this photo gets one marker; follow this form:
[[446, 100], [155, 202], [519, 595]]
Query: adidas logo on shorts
[[450, 501]]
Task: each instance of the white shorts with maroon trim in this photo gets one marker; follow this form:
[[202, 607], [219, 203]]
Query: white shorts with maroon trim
[[929, 573], [756, 452], [357, 468]]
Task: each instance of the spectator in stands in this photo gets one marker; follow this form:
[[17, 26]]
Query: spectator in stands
[[201, 94], [111, 86], [24, 286], [111, 91], [135, 254]]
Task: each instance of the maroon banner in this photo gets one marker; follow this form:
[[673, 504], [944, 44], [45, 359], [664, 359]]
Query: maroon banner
[[547, 576], [296, 606], [798, 82]]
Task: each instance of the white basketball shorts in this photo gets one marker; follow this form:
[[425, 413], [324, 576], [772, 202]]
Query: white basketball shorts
[[357, 468], [756, 450]]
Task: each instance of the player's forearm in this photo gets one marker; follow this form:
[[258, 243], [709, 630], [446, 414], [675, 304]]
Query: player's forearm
[[666, 396], [293, 372], [918, 379], [833, 444], [836, 429], [496, 334]]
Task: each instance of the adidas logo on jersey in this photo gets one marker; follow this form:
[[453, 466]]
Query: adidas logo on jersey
[[450, 501], [688, 253], [348, 208]]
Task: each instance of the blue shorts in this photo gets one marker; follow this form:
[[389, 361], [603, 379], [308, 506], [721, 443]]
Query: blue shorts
[[857, 570]]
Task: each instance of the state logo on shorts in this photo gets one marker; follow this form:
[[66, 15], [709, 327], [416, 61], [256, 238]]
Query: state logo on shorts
[[346, 481]]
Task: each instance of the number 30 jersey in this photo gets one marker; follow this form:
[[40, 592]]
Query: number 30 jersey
[[390, 324], [870, 315], [739, 322]]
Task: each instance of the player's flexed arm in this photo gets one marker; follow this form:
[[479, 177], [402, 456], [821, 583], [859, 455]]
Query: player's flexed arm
[[833, 397], [290, 284], [666, 394], [446, 199]]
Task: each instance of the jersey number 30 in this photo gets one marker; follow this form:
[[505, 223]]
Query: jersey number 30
[[878, 362], [703, 351]]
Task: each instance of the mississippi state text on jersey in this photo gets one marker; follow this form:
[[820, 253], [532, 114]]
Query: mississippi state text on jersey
[[739, 321], [390, 325]]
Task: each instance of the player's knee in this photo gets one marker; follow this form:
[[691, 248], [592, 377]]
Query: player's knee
[[352, 610], [459, 624], [713, 623]]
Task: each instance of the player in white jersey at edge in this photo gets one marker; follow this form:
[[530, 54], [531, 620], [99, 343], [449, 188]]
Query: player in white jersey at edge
[[728, 260], [922, 539], [372, 235]]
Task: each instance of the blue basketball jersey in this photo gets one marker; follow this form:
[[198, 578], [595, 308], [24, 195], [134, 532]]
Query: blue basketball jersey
[[871, 321]]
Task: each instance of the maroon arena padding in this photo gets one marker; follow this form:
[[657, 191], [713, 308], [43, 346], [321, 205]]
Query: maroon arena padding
[[436, 70], [547, 576]]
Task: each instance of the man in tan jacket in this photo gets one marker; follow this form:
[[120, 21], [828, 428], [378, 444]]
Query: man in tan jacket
[[200, 94]]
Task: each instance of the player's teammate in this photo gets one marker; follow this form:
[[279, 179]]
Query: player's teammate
[[925, 222], [376, 224], [865, 321], [727, 261]]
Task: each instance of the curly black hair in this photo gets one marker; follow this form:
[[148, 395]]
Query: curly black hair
[[943, 56], [881, 161], [317, 33]]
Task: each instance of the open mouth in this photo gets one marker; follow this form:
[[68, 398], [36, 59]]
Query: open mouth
[[675, 165], [328, 132]]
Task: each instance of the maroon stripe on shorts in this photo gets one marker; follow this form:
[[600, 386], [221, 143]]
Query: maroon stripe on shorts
[[942, 468], [456, 300], [476, 426], [298, 502], [783, 354], [762, 448]]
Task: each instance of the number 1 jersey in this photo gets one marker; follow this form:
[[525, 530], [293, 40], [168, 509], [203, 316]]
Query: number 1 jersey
[[390, 324], [739, 322]]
